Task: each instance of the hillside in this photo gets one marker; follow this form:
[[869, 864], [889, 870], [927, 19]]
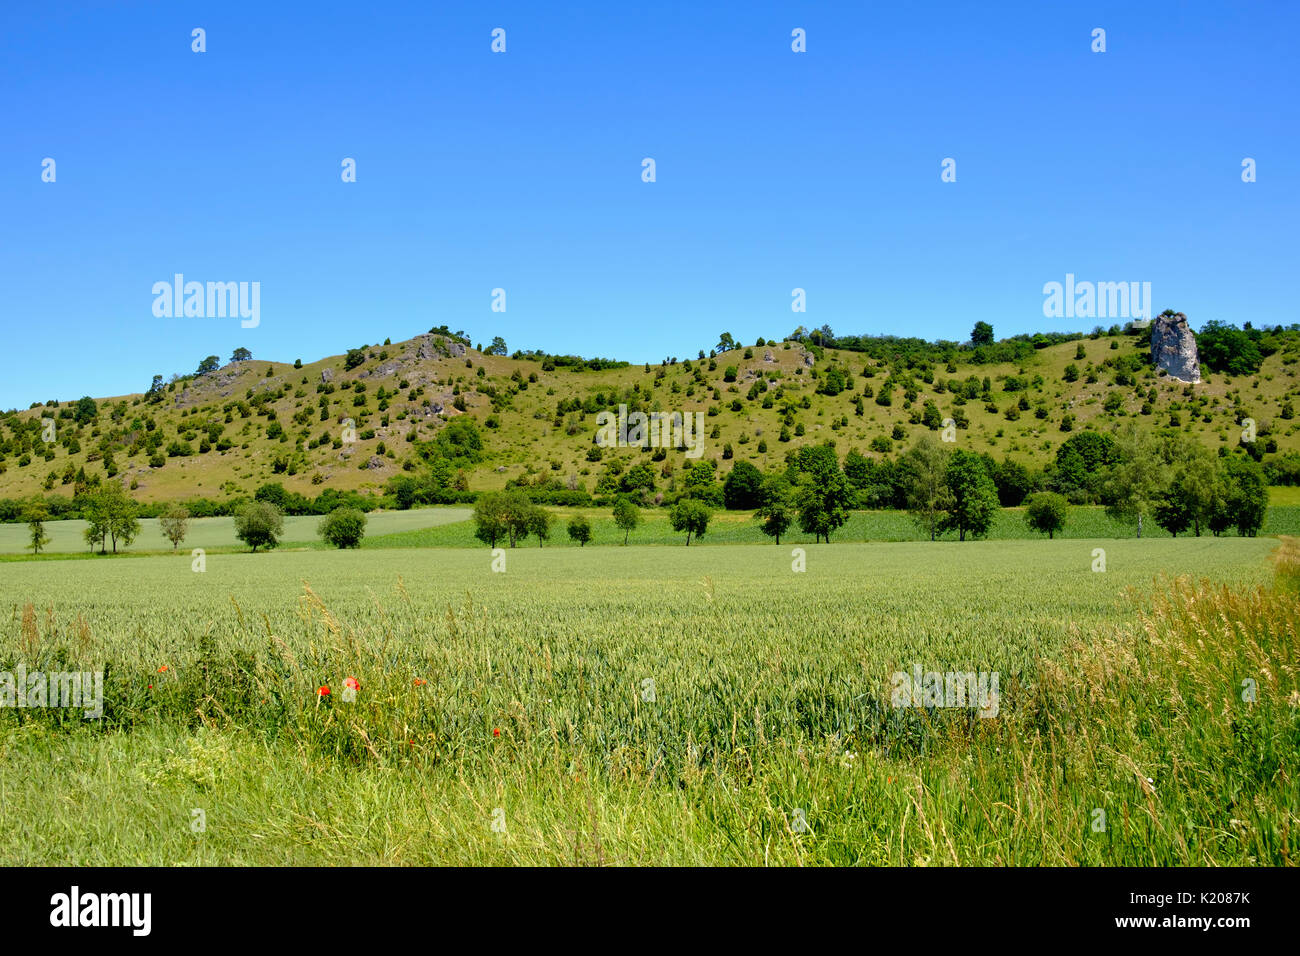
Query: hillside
[[225, 432]]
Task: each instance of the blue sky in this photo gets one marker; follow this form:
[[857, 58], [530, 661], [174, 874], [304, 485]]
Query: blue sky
[[522, 171]]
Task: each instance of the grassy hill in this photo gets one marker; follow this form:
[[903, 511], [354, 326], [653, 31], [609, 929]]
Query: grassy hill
[[226, 432]]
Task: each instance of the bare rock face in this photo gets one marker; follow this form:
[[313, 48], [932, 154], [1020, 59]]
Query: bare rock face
[[1173, 348], [768, 356], [326, 374]]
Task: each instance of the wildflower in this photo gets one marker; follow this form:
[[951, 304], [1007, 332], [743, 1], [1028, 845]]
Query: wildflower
[[350, 687], [163, 668], [420, 683], [496, 731], [352, 682], [323, 692]]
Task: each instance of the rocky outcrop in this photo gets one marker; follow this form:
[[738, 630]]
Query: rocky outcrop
[[1173, 347]]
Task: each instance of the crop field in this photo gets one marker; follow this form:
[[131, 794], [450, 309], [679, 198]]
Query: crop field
[[218, 533], [636, 705]]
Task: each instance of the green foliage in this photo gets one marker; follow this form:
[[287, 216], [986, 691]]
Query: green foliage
[[974, 496], [690, 516], [580, 529], [1046, 511], [259, 524], [627, 516], [742, 487], [343, 528]]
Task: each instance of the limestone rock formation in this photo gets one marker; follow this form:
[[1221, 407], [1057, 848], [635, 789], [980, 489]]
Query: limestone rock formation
[[1173, 347]]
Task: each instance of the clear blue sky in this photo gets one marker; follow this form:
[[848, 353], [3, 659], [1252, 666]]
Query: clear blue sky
[[775, 170]]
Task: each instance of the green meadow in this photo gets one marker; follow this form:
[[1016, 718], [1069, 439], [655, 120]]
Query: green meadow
[[636, 705]]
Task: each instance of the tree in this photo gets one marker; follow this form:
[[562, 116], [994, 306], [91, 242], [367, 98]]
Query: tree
[[343, 527], [36, 513], [626, 515], [1196, 485], [111, 515], [823, 495], [503, 514], [925, 467], [725, 342], [982, 334], [86, 410], [490, 523], [1014, 482], [405, 490], [175, 524], [209, 364], [690, 516], [259, 524], [539, 523], [776, 510], [1135, 480], [498, 346], [1171, 511], [1045, 512], [743, 487], [580, 530], [1225, 348], [243, 355], [1246, 496], [974, 496]]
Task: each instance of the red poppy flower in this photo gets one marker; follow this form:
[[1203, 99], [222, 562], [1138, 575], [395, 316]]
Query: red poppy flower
[[323, 692], [352, 683], [161, 669], [496, 731], [420, 683]]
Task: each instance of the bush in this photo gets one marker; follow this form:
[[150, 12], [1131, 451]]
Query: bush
[[343, 528]]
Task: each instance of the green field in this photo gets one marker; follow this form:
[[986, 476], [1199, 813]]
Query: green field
[[769, 737], [451, 527], [219, 533]]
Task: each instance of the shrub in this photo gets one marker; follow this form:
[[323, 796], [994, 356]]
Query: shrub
[[343, 528]]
